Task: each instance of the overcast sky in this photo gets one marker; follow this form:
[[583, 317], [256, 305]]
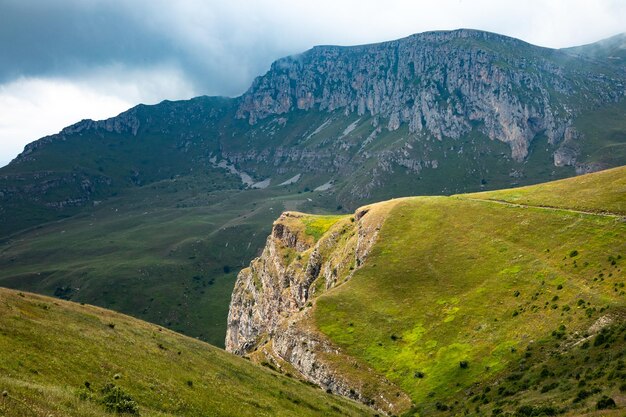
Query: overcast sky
[[66, 60]]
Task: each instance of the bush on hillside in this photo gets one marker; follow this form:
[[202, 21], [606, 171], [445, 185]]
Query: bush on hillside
[[116, 400], [112, 397], [605, 403]]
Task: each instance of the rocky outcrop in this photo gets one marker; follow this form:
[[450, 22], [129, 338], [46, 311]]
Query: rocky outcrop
[[36, 187], [126, 122], [444, 84], [270, 317]]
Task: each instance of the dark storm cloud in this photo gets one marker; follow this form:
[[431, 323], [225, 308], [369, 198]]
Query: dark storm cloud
[[66, 38], [220, 46], [52, 38]]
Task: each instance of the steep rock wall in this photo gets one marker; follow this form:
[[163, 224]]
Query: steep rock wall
[[442, 83], [270, 312]]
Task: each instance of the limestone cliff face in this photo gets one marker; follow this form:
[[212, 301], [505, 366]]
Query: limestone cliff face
[[270, 317], [441, 83]]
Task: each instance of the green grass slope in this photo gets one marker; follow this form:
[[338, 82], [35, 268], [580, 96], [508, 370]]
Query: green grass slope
[[603, 191], [167, 253], [481, 307], [58, 357]]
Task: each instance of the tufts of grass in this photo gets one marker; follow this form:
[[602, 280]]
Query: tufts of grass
[[61, 358]]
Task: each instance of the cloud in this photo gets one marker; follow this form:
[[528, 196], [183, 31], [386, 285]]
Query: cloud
[[146, 50], [223, 45], [41, 106]]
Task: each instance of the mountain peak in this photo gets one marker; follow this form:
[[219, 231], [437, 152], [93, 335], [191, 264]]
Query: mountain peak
[[507, 89]]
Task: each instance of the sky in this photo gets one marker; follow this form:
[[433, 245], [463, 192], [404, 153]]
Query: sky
[[66, 60]]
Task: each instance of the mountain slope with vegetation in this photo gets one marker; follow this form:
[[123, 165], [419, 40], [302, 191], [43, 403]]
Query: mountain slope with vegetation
[[509, 301], [153, 212], [62, 358]]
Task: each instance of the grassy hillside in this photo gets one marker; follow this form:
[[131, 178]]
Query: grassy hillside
[[481, 307], [167, 253], [134, 213], [58, 357], [601, 192]]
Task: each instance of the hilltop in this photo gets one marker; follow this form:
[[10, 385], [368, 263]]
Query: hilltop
[[510, 301]]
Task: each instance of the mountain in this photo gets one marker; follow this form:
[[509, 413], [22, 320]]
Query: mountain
[[613, 48], [62, 358], [509, 302], [153, 212]]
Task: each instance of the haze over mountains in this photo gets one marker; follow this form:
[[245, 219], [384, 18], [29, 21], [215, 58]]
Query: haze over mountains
[[327, 130]]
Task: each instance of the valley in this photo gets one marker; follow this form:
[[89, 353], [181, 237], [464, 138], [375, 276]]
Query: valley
[[428, 226]]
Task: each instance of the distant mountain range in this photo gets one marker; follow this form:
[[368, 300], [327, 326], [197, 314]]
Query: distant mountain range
[[154, 211]]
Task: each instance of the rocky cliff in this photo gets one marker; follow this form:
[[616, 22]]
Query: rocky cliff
[[444, 84], [332, 129], [270, 310]]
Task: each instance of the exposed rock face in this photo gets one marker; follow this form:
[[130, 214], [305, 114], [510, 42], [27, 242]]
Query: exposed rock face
[[441, 83], [271, 306], [372, 118]]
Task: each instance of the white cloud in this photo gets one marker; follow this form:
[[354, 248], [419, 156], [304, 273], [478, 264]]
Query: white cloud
[[192, 47], [31, 108]]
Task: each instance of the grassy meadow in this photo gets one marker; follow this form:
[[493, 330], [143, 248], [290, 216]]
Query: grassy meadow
[[460, 294], [58, 358]]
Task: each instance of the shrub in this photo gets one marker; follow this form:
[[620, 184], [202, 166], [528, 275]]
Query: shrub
[[530, 411], [463, 364], [605, 403], [582, 394], [116, 400], [549, 387], [573, 253], [600, 339], [441, 407]]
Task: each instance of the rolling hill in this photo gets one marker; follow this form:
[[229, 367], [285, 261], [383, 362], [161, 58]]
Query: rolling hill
[[153, 212], [508, 302], [64, 359]]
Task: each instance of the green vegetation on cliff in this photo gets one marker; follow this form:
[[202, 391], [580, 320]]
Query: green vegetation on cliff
[[459, 293], [511, 301]]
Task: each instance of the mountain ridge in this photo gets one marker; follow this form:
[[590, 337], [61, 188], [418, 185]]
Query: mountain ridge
[[176, 188]]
